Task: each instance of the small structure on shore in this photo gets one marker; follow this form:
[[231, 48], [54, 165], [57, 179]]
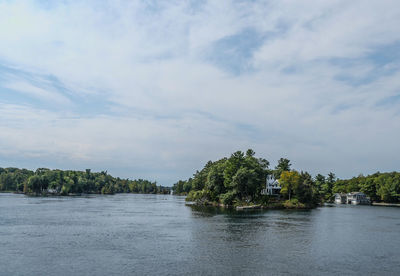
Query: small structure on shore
[[340, 198], [272, 188], [355, 198]]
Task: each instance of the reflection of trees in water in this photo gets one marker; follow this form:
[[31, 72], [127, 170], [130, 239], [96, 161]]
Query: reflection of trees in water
[[287, 217], [226, 236], [209, 211], [241, 227], [249, 228], [246, 240]]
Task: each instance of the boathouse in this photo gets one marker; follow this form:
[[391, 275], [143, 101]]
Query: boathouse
[[340, 198], [357, 198], [354, 198]]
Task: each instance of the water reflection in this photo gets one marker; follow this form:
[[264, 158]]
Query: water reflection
[[249, 241], [200, 210], [153, 235]]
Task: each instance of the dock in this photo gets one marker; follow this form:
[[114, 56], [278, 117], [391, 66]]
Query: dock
[[248, 207]]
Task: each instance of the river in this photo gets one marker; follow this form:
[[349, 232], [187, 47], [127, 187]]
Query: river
[[128, 234]]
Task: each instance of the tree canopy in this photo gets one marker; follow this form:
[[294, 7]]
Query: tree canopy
[[242, 176], [240, 179], [46, 181]]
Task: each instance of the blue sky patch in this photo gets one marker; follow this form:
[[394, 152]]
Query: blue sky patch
[[84, 104], [233, 53], [395, 99], [384, 60]]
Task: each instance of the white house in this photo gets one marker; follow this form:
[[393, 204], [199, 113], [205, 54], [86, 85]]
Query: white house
[[272, 187]]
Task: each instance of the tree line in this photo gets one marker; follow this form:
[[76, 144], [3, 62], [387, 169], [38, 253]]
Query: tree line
[[240, 178], [60, 182], [378, 186]]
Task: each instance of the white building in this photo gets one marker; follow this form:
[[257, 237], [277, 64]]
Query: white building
[[354, 198], [340, 198], [357, 198], [272, 188]]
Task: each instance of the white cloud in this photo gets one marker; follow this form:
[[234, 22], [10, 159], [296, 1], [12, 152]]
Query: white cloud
[[171, 109]]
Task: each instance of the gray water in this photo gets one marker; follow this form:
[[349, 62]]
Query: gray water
[[160, 235]]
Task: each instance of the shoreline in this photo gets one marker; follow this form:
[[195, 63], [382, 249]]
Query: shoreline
[[385, 204], [273, 206], [72, 194]]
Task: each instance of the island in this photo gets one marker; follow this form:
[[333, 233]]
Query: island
[[240, 181]]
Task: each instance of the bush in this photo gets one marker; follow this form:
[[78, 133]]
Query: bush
[[263, 200], [294, 203], [195, 195], [228, 198], [191, 196], [65, 190]]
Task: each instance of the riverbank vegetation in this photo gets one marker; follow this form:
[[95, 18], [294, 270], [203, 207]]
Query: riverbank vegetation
[[58, 182], [384, 187], [239, 180]]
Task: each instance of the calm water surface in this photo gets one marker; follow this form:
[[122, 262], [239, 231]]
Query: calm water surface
[[160, 235]]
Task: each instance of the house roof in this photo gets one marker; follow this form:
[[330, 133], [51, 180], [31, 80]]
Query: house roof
[[356, 193]]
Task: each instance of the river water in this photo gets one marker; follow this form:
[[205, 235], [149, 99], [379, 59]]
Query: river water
[[130, 234]]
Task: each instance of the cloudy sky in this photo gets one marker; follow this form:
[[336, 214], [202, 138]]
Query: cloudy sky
[[154, 89]]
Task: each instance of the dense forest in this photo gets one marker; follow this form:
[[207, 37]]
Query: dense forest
[[59, 182], [239, 179]]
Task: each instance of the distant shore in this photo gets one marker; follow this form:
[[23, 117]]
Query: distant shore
[[69, 194]]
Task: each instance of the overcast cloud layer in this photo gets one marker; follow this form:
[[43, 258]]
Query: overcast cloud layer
[[154, 89]]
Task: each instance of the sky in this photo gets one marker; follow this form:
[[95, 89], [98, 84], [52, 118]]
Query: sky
[[155, 89]]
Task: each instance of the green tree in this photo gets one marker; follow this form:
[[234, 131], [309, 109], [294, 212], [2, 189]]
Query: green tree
[[7, 182], [34, 184], [305, 191], [244, 182], [327, 188], [289, 181], [215, 180], [232, 165], [319, 183], [283, 165]]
